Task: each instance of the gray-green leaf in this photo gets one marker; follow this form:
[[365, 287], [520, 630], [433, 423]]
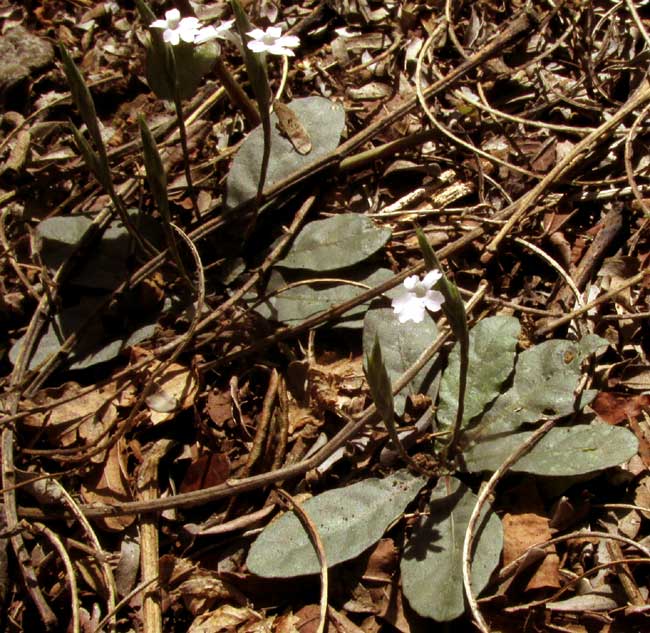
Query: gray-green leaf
[[546, 377], [104, 266], [432, 577], [563, 451], [349, 520], [492, 344], [324, 121], [95, 345], [401, 345], [337, 242], [306, 300]]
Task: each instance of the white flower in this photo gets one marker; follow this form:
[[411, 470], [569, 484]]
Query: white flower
[[222, 32], [272, 41], [177, 28], [411, 304]]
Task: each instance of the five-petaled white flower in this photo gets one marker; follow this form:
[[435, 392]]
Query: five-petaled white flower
[[272, 41], [418, 295], [177, 28], [222, 32]]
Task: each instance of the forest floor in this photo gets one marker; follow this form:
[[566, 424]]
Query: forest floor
[[181, 363]]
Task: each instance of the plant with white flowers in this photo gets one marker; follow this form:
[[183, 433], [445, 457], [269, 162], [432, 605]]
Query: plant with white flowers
[[272, 41], [177, 29], [418, 296]]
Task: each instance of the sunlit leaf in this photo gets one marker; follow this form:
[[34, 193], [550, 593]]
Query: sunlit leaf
[[432, 577], [336, 242], [492, 344], [563, 451], [324, 121], [546, 377], [349, 520]]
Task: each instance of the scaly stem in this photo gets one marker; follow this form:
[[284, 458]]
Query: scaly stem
[[452, 447], [186, 156]]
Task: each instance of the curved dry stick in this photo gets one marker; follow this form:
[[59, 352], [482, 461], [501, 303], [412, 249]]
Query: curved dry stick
[[511, 568], [316, 541], [578, 578], [483, 104], [444, 130], [69, 568], [553, 264], [553, 325], [470, 533], [629, 171], [452, 31], [124, 601], [100, 556], [638, 21]]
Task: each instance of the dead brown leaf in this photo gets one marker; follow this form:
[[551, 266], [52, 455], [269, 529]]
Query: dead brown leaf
[[108, 484], [231, 620], [524, 527], [615, 407], [82, 416]]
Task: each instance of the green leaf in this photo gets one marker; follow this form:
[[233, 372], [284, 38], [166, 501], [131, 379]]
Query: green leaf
[[156, 176], [104, 266], [349, 520], [492, 344], [401, 345], [192, 63], [301, 302], [546, 377], [93, 160], [81, 97], [432, 577], [562, 452], [324, 121], [96, 344], [379, 383], [337, 242]]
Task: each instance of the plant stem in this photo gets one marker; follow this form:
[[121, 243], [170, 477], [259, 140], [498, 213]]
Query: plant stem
[[266, 128], [186, 155], [452, 447], [183, 134]]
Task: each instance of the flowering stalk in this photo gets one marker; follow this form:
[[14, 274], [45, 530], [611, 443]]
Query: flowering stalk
[[236, 94], [454, 310], [178, 107], [258, 76], [172, 31]]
